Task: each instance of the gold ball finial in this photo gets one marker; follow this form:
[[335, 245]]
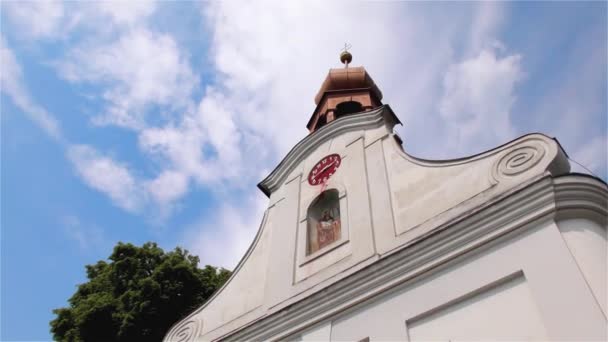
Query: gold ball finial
[[345, 56]]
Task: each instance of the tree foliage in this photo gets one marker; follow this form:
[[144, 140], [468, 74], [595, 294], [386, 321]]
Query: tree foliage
[[136, 296]]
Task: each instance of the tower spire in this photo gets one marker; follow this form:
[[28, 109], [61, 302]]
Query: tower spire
[[345, 91]]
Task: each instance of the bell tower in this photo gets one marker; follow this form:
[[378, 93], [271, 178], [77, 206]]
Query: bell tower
[[345, 91]]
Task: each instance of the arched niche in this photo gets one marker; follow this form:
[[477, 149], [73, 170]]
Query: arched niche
[[324, 226]]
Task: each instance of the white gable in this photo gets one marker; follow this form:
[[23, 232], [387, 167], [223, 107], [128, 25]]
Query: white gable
[[389, 201]]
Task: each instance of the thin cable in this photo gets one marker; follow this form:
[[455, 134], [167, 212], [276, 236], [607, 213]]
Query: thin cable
[[583, 166]]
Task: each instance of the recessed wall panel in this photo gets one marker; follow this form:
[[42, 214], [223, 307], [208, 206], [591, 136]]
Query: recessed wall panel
[[501, 312]]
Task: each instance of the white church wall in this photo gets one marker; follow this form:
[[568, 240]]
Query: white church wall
[[427, 194], [321, 332], [587, 240], [395, 207], [525, 288], [383, 222], [529, 274], [505, 311], [358, 242], [420, 193], [282, 247], [245, 291], [284, 278]]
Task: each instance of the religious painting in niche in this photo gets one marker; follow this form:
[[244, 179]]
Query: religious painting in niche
[[323, 221]]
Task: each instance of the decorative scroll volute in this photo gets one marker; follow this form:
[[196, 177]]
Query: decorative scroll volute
[[519, 159], [186, 331]]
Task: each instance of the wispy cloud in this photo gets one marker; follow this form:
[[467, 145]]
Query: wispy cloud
[[108, 176], [477, 100], [254, 111], [223, 238], [87, 237], [57, 20], [138, 70], [488, 18], [125, 12], [35, 19], [12, 85]]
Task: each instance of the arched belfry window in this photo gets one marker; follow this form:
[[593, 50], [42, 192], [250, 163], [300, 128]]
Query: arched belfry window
[[348, 107], [323, 218]]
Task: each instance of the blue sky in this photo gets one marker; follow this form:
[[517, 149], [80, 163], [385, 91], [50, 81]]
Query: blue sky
[[147, 121]]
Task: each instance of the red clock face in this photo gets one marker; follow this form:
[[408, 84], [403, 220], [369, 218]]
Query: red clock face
[[324, 169]]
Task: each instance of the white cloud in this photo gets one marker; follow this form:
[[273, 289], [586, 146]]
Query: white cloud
[[168, 186], [35, 19], [216, 119], [107, 176], [222, 240], [51, 20], [272, 63], [255, 111], [139, 70], [179, 144], [11, 80], [269, 67], [126, 12], [488, 18], [205, 147], [477, 99]]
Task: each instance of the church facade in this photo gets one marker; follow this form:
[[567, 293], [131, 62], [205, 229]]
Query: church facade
[[364, 242]]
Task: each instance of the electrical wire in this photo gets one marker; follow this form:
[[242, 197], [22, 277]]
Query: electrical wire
[[583, 166]]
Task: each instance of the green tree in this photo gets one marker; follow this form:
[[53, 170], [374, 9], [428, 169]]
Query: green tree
[[136, 296]]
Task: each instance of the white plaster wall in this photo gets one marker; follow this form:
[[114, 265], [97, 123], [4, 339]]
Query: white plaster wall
[[526, 287], [320, 332], [426, 194], [384, 194], [506, 311], [588, 242], [350, 180], [245, 291], [275, 273], [420, 193], [282, 246]]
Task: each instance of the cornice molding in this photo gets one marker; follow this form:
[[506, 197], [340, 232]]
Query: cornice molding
[[383, 115], [541, 198], [577, 192]]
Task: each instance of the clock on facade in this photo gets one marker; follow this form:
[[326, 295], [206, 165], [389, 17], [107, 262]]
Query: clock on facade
[[324, 169]]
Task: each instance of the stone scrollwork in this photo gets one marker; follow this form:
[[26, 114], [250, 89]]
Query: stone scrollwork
[[520, 158], [186, 331]]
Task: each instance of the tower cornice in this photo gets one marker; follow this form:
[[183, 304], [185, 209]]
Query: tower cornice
[[383, 115]]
